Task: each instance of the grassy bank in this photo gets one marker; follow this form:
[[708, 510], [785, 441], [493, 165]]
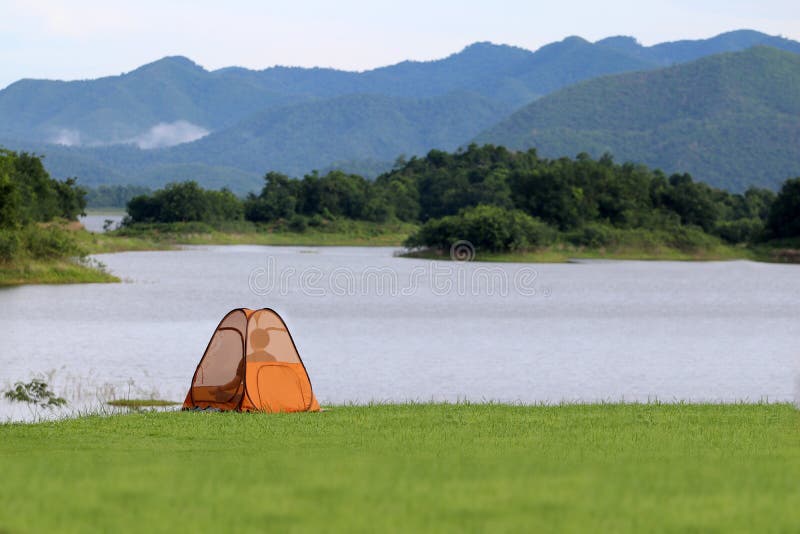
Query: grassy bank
[[106, 243], [637, 245], [346, 233], [561, 253], [52, 253], [620, 468], [60, 271], [362, 233], [332, 233], [110, 211]]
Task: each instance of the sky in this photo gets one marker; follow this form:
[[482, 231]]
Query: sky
[[79, 39]]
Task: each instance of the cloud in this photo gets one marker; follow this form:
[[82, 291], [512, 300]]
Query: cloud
[[163, 134], [66, 137], [166, 134]]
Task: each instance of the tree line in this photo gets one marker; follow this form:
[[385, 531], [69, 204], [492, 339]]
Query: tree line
[[503, 200], [29, 200], [113, 196]]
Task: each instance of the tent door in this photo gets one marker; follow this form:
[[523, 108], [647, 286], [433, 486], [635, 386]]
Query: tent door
[[279, 389]]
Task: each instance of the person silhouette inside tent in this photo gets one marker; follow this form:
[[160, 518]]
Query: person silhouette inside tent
[[259, 340]]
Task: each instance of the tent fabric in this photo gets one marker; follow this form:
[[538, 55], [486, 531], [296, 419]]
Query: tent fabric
[[251, 364]]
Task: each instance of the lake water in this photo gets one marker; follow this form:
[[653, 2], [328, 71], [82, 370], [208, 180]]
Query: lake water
[[373, 327], [94, 221]]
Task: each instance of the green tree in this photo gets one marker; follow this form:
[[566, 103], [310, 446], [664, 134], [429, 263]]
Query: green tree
[[29, 194], [784, 215], [185, 202], [547, 194], [9, 194], [71, 198], [692, 201], [277, 200], [182, 202]]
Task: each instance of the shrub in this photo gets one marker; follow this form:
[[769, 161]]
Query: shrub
[[9, 244], [488, 228], [690, 239], [593, 236], [49, 242], [316, 220], [740, 231], [298, 223], [36, 392]]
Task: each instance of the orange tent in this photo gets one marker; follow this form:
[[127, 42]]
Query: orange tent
[[251, 364]]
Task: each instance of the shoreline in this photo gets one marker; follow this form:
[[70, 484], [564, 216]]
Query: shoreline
[[569, 254], [55, 272], [64, 271], [127, 407]]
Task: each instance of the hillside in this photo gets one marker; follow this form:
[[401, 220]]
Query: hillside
[[730, 120], [126, 108], [173, 119], [670, 53], [352, 130], [312, 135], [127, 164]]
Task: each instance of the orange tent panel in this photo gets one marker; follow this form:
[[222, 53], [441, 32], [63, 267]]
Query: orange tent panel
[[251, 364]]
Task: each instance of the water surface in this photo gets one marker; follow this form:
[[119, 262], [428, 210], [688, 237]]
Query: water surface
[[373, 327], [96, 221]]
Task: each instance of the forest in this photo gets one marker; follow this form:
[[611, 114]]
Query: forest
[[500, 200]]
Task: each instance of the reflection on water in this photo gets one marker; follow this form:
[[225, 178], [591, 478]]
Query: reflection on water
[[609, 331]]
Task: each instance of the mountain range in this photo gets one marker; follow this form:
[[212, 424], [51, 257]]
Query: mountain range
[[731, 119], [173, 120]]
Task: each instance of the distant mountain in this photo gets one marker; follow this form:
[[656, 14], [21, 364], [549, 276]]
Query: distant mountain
[[732, 120], [307, 136], [126, 108], [671, 53], [231, 125], [294, 139], [127, 164]]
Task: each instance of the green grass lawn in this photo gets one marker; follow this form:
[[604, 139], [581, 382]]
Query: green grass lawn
[[401, 468]]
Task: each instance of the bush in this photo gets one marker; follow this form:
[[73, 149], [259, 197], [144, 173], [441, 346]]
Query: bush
[[488, 228], [298, 223], [9, 244], [316, 220], [593, 236], [740, 231], [38, 242], [49, 242], [690, 239], [639, 238]]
